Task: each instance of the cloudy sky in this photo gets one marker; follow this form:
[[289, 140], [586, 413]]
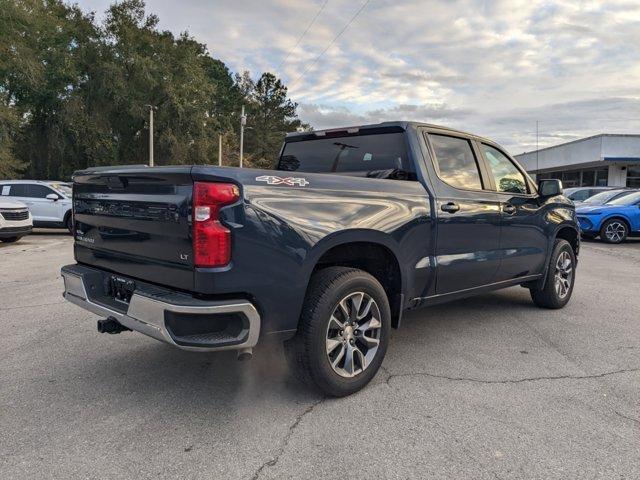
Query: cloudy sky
[[489, 67]]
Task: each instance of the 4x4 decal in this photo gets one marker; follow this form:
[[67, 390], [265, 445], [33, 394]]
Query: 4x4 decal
[[291, 181]]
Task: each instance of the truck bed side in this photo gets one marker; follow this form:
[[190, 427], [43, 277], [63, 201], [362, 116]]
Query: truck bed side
[[137, 222]]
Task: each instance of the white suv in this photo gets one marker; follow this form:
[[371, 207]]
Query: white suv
[[49, 202], [15, 220]]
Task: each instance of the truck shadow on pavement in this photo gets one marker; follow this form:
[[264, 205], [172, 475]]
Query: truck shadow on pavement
[[133, 370]]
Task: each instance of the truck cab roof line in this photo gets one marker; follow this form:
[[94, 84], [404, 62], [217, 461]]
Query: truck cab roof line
[[345, 132], [370, 129]]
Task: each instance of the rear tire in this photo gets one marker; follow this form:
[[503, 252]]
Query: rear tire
[[614, 231], [69, 224], [340, 344], [561, 275]]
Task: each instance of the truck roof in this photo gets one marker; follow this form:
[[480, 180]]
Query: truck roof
[[383, 127]]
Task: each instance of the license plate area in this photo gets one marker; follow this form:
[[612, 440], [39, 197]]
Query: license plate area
[[120, 289]]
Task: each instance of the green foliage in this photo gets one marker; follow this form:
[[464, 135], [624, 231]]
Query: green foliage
[[270, 116], [10, 166], [75, 94]]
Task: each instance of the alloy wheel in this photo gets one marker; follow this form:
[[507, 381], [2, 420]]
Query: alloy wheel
[[615, 231], [563, 274], [353, 334]]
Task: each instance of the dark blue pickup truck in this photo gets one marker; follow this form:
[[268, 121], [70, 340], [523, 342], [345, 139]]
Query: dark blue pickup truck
[[325, 253]]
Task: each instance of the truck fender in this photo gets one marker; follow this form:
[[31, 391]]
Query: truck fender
[[373, 237]]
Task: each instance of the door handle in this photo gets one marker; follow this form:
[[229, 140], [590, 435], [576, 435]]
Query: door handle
[[509, 209], [450, 207]]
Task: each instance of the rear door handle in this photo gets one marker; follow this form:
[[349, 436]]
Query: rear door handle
[[509, 209], [450, 207]]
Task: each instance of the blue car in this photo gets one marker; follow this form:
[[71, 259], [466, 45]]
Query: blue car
[[614, 221], [605, 196]]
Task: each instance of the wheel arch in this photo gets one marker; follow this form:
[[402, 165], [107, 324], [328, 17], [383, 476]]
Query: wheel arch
[[371, 251], [571, 234], [616, 216], [565, 231]]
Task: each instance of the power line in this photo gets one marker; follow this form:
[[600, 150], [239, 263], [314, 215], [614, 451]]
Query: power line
[[303, 34], [330, 44]]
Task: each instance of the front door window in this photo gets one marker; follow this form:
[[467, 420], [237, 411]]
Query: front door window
[[507, 177]]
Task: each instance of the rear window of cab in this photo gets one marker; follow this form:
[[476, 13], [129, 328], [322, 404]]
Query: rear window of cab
[[377, 156]]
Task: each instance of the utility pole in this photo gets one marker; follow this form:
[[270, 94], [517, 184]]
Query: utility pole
[[243, 122], [219, 149], [151, 109], [537, 163]]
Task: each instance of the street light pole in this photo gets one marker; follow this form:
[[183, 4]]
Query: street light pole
[[219, 149], [243, 122], [151, 108]]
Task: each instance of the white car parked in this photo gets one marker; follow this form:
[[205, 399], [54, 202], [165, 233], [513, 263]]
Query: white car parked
[[48, 202], [15, 220]]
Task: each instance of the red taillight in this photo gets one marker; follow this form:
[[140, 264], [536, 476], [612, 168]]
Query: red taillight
[[211, 239]]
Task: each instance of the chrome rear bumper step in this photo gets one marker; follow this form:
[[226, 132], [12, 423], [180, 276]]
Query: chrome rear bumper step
[[175, 318]]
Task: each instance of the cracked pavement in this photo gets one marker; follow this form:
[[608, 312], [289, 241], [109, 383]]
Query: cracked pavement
[[488, 387]]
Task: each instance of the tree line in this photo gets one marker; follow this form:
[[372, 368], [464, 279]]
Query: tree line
[[75, 92]]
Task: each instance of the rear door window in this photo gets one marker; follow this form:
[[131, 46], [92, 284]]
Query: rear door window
[[456, 162], [18, 190], [367, 155]]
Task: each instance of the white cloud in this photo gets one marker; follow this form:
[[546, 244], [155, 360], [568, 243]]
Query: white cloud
[[492, 67]]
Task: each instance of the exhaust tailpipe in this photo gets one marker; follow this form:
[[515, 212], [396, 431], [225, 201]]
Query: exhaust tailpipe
[[111, 325], [245, 354]]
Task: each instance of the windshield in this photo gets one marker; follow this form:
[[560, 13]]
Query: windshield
[[629, 199], [62, 188], [577, 194], [603, 197]]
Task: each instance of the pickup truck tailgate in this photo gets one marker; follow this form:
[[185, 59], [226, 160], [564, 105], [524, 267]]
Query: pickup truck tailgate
[[136, 222]]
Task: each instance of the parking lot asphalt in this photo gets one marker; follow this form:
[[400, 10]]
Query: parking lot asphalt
[[489, 387]]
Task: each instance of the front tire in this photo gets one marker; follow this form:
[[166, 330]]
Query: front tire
[[560, 280], [614, 230], [343, 332]]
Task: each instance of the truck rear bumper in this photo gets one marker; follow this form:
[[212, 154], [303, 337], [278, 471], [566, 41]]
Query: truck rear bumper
[[169, 316]]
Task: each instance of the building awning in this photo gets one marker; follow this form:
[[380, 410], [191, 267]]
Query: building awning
[[621, 159]]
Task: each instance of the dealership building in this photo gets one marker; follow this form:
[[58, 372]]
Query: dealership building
[[601, 160]]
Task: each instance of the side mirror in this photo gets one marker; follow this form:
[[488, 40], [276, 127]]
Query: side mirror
[[550, 188], [53, 196]]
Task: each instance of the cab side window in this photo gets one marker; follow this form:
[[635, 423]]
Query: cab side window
[[456, 162], [507, 177]]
